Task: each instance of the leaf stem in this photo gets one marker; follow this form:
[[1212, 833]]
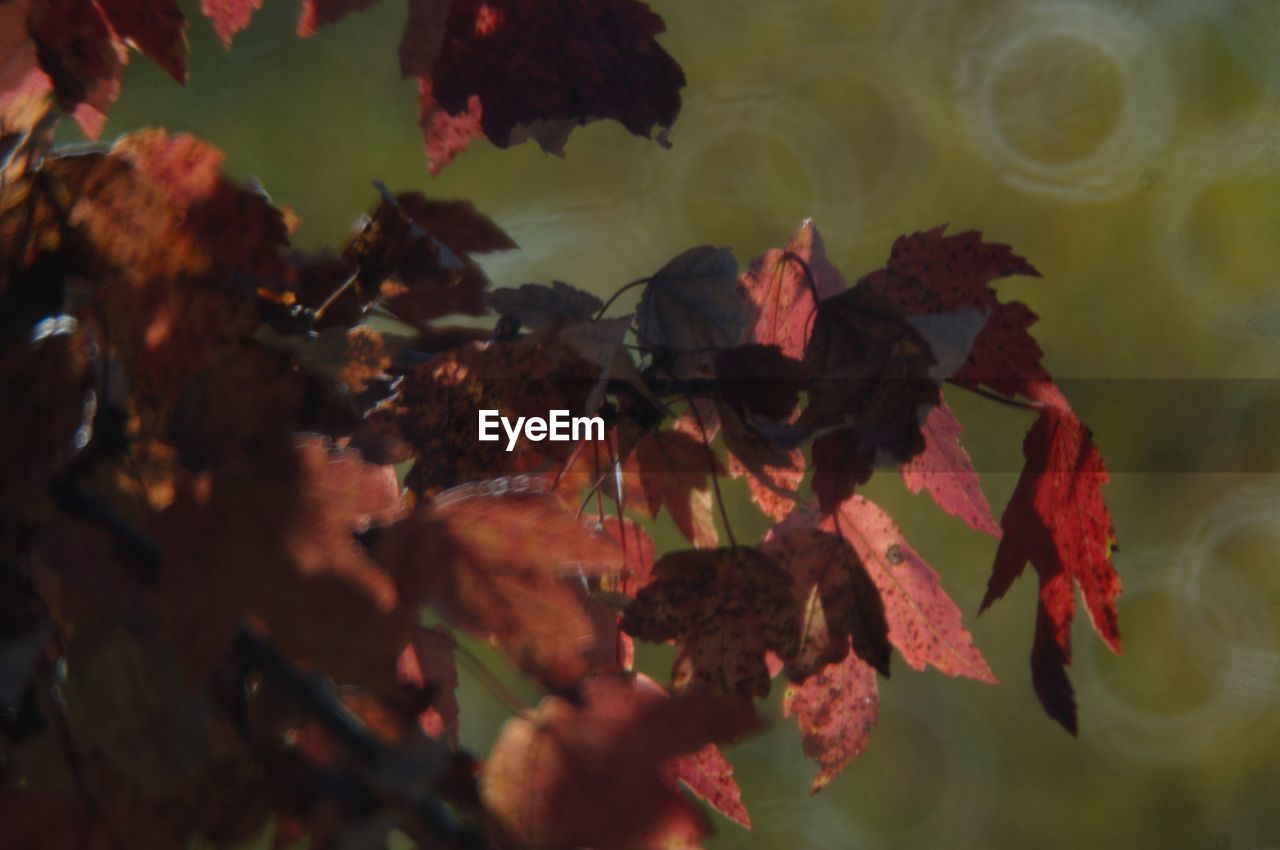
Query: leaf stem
[[614, 297], [1008, 401]]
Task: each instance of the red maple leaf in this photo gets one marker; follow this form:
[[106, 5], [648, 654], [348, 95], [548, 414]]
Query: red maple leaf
[[834, 711], [929, 273], [708, 774], [1057, 520], [229, 16], [1057, 515], [782, 284], [924, 624], [944, 469]]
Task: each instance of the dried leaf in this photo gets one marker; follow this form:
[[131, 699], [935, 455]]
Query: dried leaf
[[726, 608]]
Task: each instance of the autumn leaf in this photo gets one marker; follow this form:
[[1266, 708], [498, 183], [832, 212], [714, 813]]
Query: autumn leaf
[[1057, 520], [691, 308], [229, 16], [929, 274], [484, 68], [835, 710], [427, 663], [837, 599], [783, 283], [436, 411], [157, 28], [673, 471], [944, 469], [77, 49], [924, 624], [1057, 511], [508, 568], [708, 774], [563, 776], [80, 49], [147, 239], [871, 370], [1005, 356], [414, 255], [726, 608], [545, 308], [279, 545]]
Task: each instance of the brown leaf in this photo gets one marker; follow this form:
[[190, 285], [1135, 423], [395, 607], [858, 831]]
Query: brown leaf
[[505, 568], [483, 67], [278, 544], [871, 372], [564, 776], [837, 599], [427, 663], [437, 409], [726, 608], [673, 470]]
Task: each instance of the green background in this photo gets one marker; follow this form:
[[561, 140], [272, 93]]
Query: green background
[[1131, 150]]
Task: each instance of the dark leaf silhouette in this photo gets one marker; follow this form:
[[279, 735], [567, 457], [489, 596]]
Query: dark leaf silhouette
[[693, 307], [838, 600], [488, 68], [726, 608]]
